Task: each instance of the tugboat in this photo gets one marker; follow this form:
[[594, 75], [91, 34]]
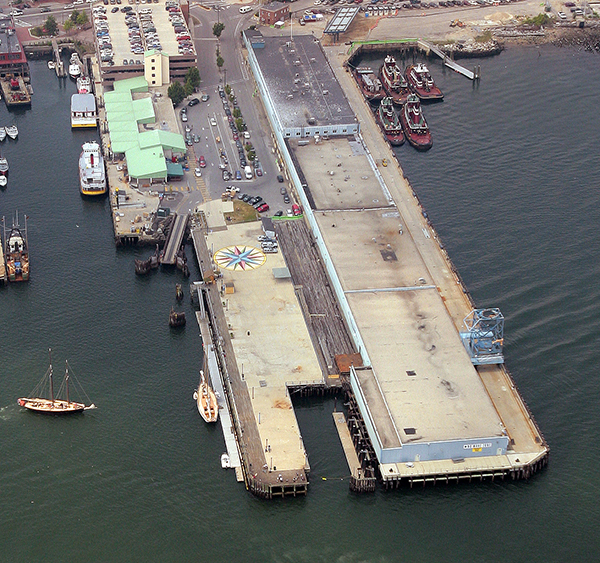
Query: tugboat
[[54, 404], [16, 252], [206, 400], [393, 82], [421, 82], [389, 122], [369, 84], [176, 319], [414, 125]]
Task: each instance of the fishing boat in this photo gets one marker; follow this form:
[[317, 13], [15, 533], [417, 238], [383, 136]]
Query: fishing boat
[[2, 134], [12, 131], [178, 292], [16, 251], [43, 399], [225, 461], [389, 122], [206, 400], [84, 85], [369, 84], [3, 166], [392, 80], [421, 82], [414, 124], [176, 319], [92, 176]]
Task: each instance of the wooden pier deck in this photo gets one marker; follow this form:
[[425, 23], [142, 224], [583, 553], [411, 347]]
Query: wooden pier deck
[[60, 67]]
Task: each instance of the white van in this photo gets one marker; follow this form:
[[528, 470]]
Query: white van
[[245, 9], [248, 172]]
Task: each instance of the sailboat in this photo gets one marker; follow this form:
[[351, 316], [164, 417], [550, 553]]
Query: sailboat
[[2, 134], [12, 131], [206, 400], [55, 404]]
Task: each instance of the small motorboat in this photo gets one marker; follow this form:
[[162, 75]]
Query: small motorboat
[[2, 134], [3, 181], [74, 71], [51, 65], [12, 131], [3, 166], [225, 461]]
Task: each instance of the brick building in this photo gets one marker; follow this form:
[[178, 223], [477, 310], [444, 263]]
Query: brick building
[[274, 12]]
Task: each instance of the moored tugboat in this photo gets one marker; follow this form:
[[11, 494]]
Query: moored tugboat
[[414, 125], [369, 84], [421, 82], [16, 252], [389, 122], [393, 82]]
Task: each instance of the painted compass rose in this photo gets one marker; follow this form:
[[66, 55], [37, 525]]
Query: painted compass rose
[[239, 257]]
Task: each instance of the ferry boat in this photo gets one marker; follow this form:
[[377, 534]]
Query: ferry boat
[[16, 251], [389, 122], [83, 110], [421, 82], [84, 85], [393, 81], [51, 403], [369, 84], [206, 400], [74, 71], [414, 124], [92, 176]]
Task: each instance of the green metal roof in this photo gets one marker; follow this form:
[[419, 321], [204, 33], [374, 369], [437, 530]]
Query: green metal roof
[[146, 163], [143, 110], [135, 84], [174, 169], [167, 139]]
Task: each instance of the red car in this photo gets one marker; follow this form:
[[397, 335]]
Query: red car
[[264, 207], [201, 162], [296, 209]]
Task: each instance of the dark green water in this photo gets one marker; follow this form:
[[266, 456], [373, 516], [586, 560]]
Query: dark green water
[[512, 187]]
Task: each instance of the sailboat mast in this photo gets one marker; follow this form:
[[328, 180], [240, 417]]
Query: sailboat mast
[[50, 376], [67, 379]]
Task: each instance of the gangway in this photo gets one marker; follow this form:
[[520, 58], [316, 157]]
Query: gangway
[[471, 75], [173, 244]]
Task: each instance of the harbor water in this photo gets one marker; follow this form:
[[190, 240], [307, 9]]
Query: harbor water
[[512, 187]]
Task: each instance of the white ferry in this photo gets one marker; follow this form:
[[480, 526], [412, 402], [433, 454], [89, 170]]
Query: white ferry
[[92, 175], [83, 110]]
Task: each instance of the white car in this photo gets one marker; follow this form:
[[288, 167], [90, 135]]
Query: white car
[[198, 172], [16, 12], [213, 121], [562, 15]]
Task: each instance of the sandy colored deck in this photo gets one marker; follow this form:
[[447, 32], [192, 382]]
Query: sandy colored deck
[[271, 343]]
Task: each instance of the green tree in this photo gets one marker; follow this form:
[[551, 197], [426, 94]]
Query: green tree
[[227, 89], [188, 88], [218, 29], [239, 123], [74, 15], [50, 26], [69, 25], [220, 61], [82, 18], [176, 92], [237, 112], [193, 76]]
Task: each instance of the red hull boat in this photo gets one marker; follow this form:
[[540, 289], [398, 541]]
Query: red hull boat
[[414, 125], [369, 84], [389, 122], [393, 82], [421, 82]]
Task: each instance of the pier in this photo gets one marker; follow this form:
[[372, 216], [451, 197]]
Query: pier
[[175, 239], [59, 65]]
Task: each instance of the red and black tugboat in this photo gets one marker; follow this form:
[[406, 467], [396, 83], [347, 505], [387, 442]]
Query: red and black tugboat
[[389, 122], [414, 125], [393, 82], [421, 82], [369, 84]]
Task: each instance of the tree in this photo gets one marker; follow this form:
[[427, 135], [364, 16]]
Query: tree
[[50, 26], [218, 29], [82, 18], [69, 25], [74, 15], [220, 61], [227, 89], [176, 92], [237, 112], [188, 88], [193, 76]]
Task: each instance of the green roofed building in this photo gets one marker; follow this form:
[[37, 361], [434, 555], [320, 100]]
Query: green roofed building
[[146, 152]]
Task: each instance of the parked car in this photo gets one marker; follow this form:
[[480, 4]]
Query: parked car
[[238, 175], [198, 172], [205, 97], [296, 209], [264, 207], [193, 102], [201, 162], [280, 178]]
